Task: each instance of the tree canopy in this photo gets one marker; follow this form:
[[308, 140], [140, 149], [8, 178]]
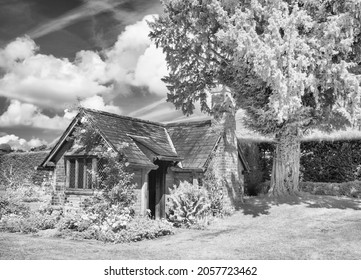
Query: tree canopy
[[287, 63]]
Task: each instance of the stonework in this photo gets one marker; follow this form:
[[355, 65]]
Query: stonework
[[226, 164]]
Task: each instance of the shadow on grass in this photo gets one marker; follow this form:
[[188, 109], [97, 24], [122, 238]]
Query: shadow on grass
[[333, 202], [257, 206]]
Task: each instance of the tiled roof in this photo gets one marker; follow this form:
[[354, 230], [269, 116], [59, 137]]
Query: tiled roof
[[190, 143], [193, 141], [118, 130]]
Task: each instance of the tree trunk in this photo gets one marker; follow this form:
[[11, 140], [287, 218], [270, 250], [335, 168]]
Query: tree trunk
[[286, 165]]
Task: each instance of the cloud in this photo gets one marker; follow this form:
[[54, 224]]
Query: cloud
[[18, 50], [97, 102], [29, 115], [50, 82], [94, 102], [45, 80], [17, 143], [135, 60]]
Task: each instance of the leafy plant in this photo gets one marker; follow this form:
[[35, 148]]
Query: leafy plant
[[139, 228], [216, 189], [188, 204], [10, 205]]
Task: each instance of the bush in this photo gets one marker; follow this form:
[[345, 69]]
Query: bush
[[27, 224], [102, 217], [139, 228], [188, 205], [136, 229], [349, 189], [11, 205]]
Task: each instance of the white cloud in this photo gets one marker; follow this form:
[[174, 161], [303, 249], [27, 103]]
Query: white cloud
[[97, 103], [29, 115], [135, 60], [17, 143], [18, 50], [50, 82], [150, 69]]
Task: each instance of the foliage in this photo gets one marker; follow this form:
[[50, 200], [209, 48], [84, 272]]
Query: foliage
[[326, 161], [138, 229], [321, 161], [33, 222], [349, 189], [99, 217], [9, 205], [286, 62], [28, 192], [115, 183], [188, 204], [216, 196], [117, 227]]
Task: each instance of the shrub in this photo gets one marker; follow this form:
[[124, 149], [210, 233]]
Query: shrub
[[26, 224], [349, 189], [137, 229], [188, 204], [11, 205]]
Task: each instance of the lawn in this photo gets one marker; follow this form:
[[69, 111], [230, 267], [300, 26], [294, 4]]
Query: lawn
[[307, 227]]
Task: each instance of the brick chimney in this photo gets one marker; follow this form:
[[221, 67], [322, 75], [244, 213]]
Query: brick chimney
[[226, 163]]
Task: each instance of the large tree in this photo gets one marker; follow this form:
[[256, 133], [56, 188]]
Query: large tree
[[289, 64]]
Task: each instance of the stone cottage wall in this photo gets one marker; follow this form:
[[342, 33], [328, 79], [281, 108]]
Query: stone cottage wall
[[228, 168], [225, 161], [62, 195], [58, 197], [138, 179]]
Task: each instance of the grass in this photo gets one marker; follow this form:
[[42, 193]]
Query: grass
[[307, 227]]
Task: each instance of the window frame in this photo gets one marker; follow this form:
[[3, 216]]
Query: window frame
[[74, 188]]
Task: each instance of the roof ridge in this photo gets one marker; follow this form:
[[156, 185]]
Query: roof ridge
[[188, 123], [122, 116]]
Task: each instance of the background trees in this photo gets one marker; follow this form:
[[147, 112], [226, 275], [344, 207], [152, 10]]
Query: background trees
[[289, 64]]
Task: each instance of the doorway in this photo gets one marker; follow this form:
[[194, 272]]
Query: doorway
[[157, 190]]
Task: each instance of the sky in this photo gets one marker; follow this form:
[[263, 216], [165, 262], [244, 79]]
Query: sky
[[56, 55]]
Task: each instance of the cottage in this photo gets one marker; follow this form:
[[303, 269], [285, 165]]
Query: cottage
[[159, 155]]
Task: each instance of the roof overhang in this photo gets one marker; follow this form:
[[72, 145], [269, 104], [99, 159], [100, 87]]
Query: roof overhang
[[47, 163], [187, 170]]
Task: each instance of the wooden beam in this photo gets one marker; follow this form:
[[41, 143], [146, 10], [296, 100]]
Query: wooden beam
[[76, 173], [194, 179], [94, 170], [67, 177], [163, 186], [84, 174], [144, 192], [160, 191]]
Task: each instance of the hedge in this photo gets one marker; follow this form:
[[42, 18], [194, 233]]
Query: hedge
[[321, 161]]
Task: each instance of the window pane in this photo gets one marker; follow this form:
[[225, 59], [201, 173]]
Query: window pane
[[101, 173], [72, 174], [89, 184], [81, 173]]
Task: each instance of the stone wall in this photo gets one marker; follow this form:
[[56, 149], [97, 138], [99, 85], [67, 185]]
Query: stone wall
[[58, 197], [228, 168], [62, 195]]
